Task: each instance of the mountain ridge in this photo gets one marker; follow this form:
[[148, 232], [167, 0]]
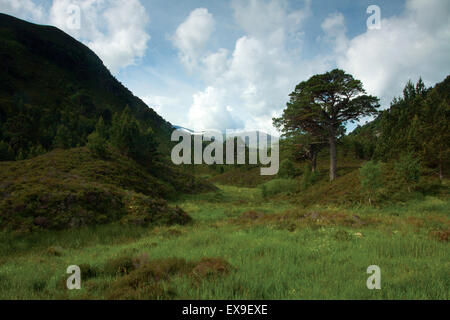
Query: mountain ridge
[[51, 75]]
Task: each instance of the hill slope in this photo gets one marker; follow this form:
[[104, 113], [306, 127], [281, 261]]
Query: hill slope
[[49, 81], [70, 188], [53, 90]]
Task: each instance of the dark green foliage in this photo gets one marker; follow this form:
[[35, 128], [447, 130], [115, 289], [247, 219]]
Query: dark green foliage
[[130, 139], [63, 138], [97, 145], [36, 151], [308, 178], [72, 188], [287, 169], [418, 123], [321, 105], [6, 152], [408, 169], [370, 175], [53, 89], [97, 141]]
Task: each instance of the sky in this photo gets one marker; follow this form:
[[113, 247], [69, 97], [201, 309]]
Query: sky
[[217, 64]]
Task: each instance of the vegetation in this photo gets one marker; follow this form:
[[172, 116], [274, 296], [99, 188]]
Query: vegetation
[[321, 105], [240, 247], [85, 180], [71, 188], [53, 90], [371, 179]]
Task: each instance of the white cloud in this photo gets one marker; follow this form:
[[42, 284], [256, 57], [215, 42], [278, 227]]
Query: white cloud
[[24, 9], [257, 76], [334, 28], [415, 43], [192, 35], [209, 111], [161, 104], [114, 29]]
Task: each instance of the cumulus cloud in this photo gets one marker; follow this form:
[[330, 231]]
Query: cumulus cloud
[[161, 104], [415, 43], [209, 111], [263, 67], [256, 77], [113, 29], [192, 35], [335, 31], [24, 9]]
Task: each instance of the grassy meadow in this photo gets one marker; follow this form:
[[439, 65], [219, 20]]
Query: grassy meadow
[[241, 246]]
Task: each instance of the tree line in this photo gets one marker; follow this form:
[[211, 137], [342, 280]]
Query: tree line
[[415, 125]]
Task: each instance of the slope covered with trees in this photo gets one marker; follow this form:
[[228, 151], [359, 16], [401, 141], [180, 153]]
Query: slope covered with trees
[[76, 147], [53, 90]]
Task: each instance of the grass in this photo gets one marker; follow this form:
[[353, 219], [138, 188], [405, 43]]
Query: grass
[[254, 249]]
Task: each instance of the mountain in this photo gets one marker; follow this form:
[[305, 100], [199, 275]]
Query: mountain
[[240, 134], [49, 81], [53, 91]]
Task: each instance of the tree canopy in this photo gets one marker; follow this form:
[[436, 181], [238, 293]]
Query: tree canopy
[[321, 105]]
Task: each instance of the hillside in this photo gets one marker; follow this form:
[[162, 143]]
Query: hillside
[[71, 188], [51, 83], [53, 91]]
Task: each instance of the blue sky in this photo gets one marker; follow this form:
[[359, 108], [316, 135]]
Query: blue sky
[[215, 64]]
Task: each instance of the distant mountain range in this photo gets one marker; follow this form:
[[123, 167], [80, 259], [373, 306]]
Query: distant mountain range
[[240, 134]]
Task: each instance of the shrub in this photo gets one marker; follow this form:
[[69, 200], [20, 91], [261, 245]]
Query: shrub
[[97, 140], [308, 177], [408, 170], [287, 169], [370, 177], [97, 145]]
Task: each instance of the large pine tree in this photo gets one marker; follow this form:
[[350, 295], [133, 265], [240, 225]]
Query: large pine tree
[[321, 105]]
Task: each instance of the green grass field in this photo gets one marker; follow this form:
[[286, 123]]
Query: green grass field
[[242, 247]]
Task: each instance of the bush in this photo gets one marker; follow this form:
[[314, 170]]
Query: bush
[[370, 177], [287, 169], [308, 177], [277, 186], [98, 139], [97, 145], [408, 170]]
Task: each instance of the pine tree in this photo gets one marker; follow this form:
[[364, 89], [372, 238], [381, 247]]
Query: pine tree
[[323, 104], [63, 138], [97, 142]]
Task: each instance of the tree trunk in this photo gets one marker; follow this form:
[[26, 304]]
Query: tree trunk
[[333, 161], [314, 161], [441, 174]]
